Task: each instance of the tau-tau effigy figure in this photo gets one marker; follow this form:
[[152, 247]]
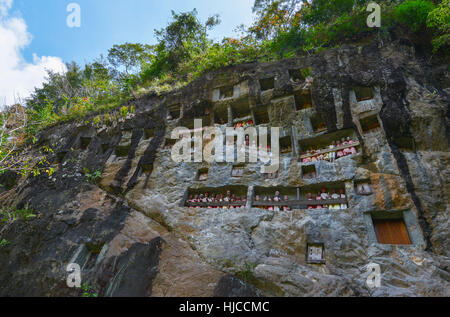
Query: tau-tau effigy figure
[[343, 196], [286, 208]]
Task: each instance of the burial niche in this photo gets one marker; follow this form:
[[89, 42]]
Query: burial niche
[[84, 142], [267, 83], [363, 188], [391, 230], [175, 111], [262, 115], [122, 150], [309, 172], [363, 93], [149, 133], [286, 144], [318, 123], [303, 100], [370, 123], [226, 92], [226, 197], [329, 147], [147, 168], [242, 115], [315, 253], [238, 170], [202, 174]]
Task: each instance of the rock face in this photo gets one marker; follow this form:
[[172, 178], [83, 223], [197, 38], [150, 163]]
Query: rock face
[[133, 236]]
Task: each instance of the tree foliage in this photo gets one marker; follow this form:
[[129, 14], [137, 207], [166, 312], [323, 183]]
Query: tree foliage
[[414, 13], [439, 21]]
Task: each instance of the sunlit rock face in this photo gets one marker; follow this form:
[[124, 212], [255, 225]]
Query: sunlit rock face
[[133, 234]]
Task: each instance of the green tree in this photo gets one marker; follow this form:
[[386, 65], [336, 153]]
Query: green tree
[[183, 38], [129, 57], [414, 13], [439, 20]]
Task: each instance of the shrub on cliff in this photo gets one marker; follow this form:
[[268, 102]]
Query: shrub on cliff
[[414, 13], [439, 21]]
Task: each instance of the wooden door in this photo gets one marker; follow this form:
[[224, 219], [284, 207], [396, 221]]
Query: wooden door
[[391, 231]]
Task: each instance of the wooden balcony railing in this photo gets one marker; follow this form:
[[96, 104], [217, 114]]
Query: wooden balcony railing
[[300, 202], [323, 151], [216, 204], [289, 203]]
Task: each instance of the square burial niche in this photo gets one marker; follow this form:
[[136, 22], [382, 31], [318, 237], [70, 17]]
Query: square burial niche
[[363, 93], [175, 111], [205, 197], [303, 100], [105, 147], [267, 83], [262, 115], [271, 175], [370, 123], [363, 187], [226, 92], [390, 228], [241, 112], [199, 111], [405, 143], [318, 123], [238, 170], [149, 133], [315, 253], [296, 75], [299, 74], [286, 144], [147, 168], [60, 157], [84, 142], [169, 143], [202, 174], [309, 172], [221, 115]]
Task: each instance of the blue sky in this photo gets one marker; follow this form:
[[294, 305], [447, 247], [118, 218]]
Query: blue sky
[[34, 36], [108, 22]]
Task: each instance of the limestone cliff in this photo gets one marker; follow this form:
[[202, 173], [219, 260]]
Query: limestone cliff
[[134, 236]]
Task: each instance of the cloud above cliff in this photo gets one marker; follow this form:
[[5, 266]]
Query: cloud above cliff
[[18, 77]]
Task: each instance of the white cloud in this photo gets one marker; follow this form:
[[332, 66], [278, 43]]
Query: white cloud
[[17, 76]]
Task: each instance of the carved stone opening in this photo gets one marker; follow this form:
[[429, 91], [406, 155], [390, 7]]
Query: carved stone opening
[[309, 172], [147, 168], [303, 100], [390, 228], [202, 174], [84, 142], [237, 190], [296, 75], [370, 123], [238, 170], [122, 151], [363, 187], [226, 92], [149, 133], [315, 253], [363, 93], [175, 111], [318, 123], [60, 157], [267, 83], [286, 144], [405, 143], [169, 143], [261, 115]]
